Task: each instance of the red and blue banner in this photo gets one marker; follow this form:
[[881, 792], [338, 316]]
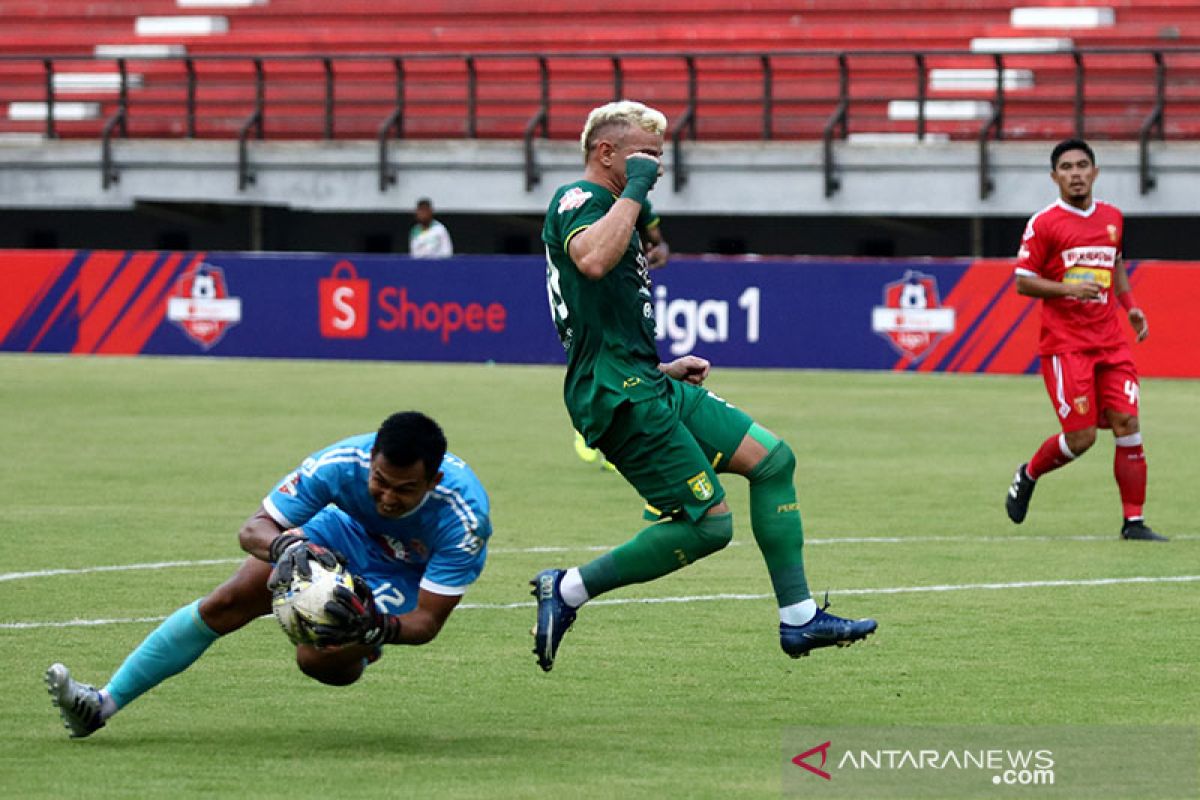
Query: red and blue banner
[[945, 315]]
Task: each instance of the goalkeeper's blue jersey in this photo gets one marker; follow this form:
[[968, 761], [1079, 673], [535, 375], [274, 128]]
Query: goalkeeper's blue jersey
[[444, 538]]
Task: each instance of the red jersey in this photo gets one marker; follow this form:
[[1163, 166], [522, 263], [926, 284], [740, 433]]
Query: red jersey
[[1062, 243]]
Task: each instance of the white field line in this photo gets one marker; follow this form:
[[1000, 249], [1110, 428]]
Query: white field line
[[702, 598], [75, 623], [598, 548], [47, 573], [946, 587]]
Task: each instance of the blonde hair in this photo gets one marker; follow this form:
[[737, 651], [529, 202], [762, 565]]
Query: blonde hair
[[623, 114]]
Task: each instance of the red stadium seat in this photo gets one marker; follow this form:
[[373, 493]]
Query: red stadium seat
[[1120, 88]]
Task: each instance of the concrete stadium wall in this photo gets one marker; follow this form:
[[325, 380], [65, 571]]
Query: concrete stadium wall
[[772, 179]]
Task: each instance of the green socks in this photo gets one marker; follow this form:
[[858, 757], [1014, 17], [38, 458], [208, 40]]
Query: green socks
[[775, 519], [658, 550], [666, 546]]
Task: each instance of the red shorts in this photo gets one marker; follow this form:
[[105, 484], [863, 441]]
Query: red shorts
[[1083, 385]]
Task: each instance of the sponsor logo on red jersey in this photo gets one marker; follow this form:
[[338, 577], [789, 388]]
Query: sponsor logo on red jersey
[[1090, 257]]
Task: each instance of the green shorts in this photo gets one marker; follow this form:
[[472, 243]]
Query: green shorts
[[672, 448]]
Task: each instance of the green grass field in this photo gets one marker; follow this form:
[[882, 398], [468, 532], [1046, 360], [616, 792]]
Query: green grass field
[[131, 461]]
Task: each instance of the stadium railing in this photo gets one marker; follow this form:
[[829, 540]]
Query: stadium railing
[[1121, 93]]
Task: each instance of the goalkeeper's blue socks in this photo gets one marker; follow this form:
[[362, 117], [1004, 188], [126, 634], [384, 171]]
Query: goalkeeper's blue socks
[[170, 649]]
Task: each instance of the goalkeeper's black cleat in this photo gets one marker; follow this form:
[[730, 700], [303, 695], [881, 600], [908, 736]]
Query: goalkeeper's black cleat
[[1138, 531], [554, 616], [78, 703], [823, 630], [1019, 493]]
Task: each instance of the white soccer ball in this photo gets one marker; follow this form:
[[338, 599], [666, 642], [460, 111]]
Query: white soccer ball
[[301, 605]]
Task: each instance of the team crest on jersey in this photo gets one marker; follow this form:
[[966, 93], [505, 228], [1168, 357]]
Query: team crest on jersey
[[701, 486], [1112, 233], [1081, 404], [416, 551], [572, 199], [912, 317], [201, 306]]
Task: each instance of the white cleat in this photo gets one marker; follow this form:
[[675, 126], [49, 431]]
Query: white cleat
[[78, 703]]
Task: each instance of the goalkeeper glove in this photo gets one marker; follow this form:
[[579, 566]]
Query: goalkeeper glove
[[358, 621], [291, 554], [641, 172]]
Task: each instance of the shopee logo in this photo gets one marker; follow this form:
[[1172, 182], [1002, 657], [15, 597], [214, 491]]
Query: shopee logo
[[345, 310], [345, 302], [398, 312]]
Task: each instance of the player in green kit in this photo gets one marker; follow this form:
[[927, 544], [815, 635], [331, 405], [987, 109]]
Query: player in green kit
[[664, 433], [657, 252]]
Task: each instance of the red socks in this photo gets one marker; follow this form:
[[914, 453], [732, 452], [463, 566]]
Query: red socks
[[1129, 468], [1053, 454]]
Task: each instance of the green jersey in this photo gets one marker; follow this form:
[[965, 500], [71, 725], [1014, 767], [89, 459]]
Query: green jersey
[[606, 326]]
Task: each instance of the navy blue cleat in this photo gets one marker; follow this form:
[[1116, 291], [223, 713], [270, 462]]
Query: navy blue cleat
[[554, 616], [78, 703], [823, 630]]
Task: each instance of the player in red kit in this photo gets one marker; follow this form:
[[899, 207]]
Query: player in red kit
[[1071, 258]]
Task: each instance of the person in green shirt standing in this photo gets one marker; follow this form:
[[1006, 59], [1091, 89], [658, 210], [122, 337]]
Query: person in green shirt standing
[[666, 435], [428, 238]]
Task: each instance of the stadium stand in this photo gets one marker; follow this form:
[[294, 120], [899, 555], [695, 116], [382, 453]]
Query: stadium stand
[[470, 69]]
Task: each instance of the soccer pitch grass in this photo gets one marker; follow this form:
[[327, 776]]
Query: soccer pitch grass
[[113, 462]]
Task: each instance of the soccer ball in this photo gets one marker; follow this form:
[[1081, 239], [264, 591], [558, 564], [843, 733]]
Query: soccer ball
[[301, 605]]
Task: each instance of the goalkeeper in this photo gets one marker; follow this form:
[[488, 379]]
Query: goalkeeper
[[407, 519]]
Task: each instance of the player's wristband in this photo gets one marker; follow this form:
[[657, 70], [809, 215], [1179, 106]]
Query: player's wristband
[[280, 543], [637, 190], [1126, 300], [641, 173]]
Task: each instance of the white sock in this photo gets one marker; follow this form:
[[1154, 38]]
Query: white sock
[[572, 588], [108, 706], [798, 613]]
